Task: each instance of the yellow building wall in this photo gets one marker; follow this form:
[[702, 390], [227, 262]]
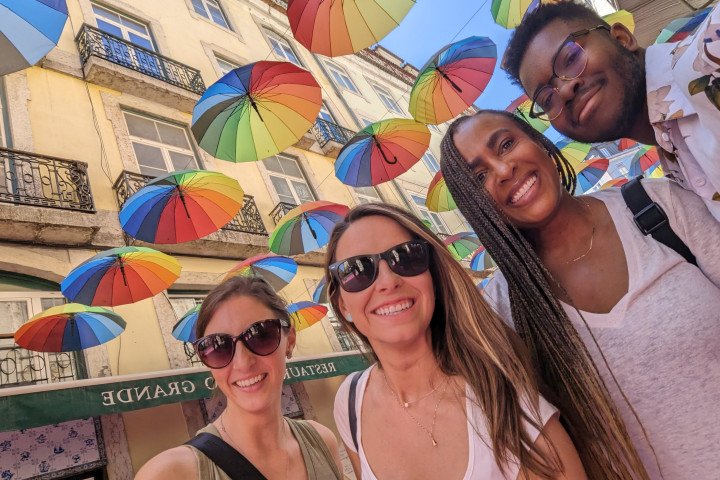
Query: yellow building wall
[[152, 430]]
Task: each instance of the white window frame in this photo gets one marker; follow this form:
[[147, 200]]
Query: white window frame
[[164, 148], [289, 179], [425, 214], [207, 5], [364, 122], [220, 60], [341, 78], [284, 45], [387, 99], [363, 198], [431, 162], [124, 29], [328, 115]]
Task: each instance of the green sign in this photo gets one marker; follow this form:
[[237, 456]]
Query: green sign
[[89, 398]]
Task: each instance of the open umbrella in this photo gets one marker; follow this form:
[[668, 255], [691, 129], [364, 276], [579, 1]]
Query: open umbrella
[[462, 244], [334, 28], [438, 198], [256, 111], [626, 143], [276, 270], [574, 152], [521, 108], [305, 314], [119, 276], [320, 293], [591, 172], [621, 16], [682, 27], [655, 171], [182, 206], [452, 80], [645, 159], [381, 151], [480, 260], [615, 182], [69, 327], [29, 29], [484, 282], [184, 329], [509, 13], [306, 228]]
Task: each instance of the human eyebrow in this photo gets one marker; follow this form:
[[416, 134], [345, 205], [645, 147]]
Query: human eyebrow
[[495, 138]]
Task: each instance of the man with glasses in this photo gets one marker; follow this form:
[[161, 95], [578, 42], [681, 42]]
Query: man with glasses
[[594, 83]]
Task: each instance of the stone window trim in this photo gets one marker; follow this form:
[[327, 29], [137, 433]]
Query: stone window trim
[[330, 66], [227, 13], [357, 195], [380, 91], [269, 32], [305, 168], [408, 191], [430, 161], [215, 52]]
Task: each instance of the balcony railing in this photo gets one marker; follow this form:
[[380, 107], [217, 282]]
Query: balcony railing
[[94, 42], [280, 210], [326, 132], [248, 220], [20, 367], [31, 179]]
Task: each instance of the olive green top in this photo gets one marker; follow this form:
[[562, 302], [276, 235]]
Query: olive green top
[[319, 462]]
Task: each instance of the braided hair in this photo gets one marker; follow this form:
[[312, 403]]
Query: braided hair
[[564, 363]]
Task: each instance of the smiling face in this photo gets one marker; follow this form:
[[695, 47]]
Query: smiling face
[[251, 382], [517, 172], [608, 98], [394, 311]]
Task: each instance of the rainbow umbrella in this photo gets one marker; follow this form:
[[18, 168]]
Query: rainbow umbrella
[[306, 228], [591, 172], [655, 171], [615, 182], [438, 198], [334, 28], [574, 152], [645, 159], [381, 151], [452, 80], [509, 13], [182, 206], [276, 270], [69, 327], [682, 27], [521, 108], [462, 244], [306, 314], [184, 329], [621, 16], [29, 29], [119, 276], [320, 293], [626, 143], [480, 260], [256, 111], [484, 282]]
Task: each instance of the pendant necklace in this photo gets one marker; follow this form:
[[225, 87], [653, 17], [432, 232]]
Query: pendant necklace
[[592, 238]]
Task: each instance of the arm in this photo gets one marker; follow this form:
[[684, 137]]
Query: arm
[[178, 462], [329, 438], [556, 437], [355, 460]]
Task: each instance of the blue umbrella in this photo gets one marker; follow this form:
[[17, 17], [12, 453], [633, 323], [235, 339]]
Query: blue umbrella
[[481, 260], [184, 329], [320, 293], [276, 270], [29, 29]]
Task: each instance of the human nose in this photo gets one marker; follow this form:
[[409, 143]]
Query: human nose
[[504, 169], [243, 357], [567, 89], [386, 278]]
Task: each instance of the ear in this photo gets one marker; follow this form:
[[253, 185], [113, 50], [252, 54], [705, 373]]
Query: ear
[[625, 37], [341, 304], [291, 338]]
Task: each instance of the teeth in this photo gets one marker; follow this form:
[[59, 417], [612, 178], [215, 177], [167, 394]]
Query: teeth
[[250, 381], [396, 308], [524, 189]]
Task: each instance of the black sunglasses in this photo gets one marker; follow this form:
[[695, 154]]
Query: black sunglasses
[[357, 273], [261, 338]]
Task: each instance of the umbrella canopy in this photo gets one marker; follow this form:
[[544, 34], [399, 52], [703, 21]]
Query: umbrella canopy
[[452, 80], [574, 152], [484, 282], [306, 314], [626, 143], [682, 27], [591, 172], [382, 151], [256, 111], [343, 28], [438, 197], [655, 171], [69, 327], [320, 293], [621, 16], [182, 206], [119, 276], [462, 244], [615, 182], [29, 29], [184, 329], [509, 13], [306, 228], [645, 159], [276, 270], [521, 108], [480, 260]]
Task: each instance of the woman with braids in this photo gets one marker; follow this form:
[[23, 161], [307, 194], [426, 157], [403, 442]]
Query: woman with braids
[[452, 396], [625, 332]]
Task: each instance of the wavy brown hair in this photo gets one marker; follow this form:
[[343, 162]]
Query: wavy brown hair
[[471, 341], [566, 367]]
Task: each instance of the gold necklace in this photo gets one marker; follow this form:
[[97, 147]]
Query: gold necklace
[[406, 403], [404, 408], [592, 238], [287, 456]]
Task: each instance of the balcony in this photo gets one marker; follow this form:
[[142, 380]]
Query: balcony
[[280, 210], [248, 220], [331, 137], [20, 367], [141, 72]]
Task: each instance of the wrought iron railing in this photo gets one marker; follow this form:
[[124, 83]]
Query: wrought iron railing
[[248, 220], [325, 132], [191, 355], [280, 210], [31, 179], [20, 367], [94, 42]]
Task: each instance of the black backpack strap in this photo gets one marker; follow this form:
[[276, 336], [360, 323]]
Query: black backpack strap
[[352, 410], [651, 219], [230, 461]]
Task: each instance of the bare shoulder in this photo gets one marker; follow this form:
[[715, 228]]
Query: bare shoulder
[[178, 462], [327, 435], [556, 441]]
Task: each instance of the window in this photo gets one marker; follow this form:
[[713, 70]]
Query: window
[[325, 114], [431, 162], [124, 27], [433, 218], [365, 122], [434, 128], [367, 195], [345, 338], [159, 147], [341, 78], [225, 65], [211, 10], [283, 49], [288, 180], [387, 99]]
